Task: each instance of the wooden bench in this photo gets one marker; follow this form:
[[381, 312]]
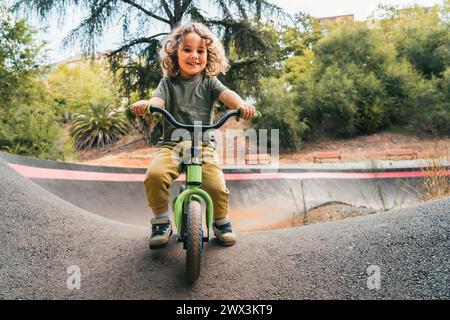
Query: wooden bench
[[410, 153], [262, 158], [326, 155]]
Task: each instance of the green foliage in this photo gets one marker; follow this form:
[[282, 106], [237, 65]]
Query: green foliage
[[422, 40], [27, 124], [428, 50], [32, 132], [356, 45], [278, 110], [99, 126], [73, 86], [400, 82], [301, 36], [445, 11], [297, 41], [19, 54], [346, 93], [296, 68], [358, 85], [252, 48], [432, 105], [356, 80], [332, 106], [238, 22]]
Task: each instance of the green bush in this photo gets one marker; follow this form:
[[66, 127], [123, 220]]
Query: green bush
[[400, 81], [333, 106], [428, 49], [31, 131], [73, 87], [27, 124], [356, 85], [99, 126], [276, 104], [355, 45], [432, 106]]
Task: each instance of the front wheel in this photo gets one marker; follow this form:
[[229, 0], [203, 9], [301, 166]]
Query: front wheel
[[194, 241]]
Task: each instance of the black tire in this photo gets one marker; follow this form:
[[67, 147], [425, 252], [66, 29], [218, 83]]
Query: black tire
[[194, 241]]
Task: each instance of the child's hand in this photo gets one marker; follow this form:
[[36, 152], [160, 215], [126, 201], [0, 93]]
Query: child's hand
[[138, 108], [247, 111]]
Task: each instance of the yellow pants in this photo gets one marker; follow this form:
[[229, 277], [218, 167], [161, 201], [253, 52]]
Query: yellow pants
[[165, 167]]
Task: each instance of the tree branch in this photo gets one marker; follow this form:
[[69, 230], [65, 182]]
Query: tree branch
[[167, 10], [241, 9], [91, 24], [177, 12], [185, 5], [149, 13], [135, 42], [225, 10]]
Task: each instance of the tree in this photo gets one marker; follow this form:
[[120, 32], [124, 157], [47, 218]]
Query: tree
[[356, 85], [73, 87], [279, 111], [432, 105], [145, 23], [427, 48], [297, 42], [301, 35], [356, 45], [422, 42], [27, 124], [19, 54]]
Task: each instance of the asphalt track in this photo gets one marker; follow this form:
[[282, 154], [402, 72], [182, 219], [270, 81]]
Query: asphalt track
[[259, 198], [49, 222]]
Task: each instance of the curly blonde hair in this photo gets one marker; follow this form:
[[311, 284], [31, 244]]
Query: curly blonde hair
[[217, 62]]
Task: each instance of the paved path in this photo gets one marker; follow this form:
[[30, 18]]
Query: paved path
[[42, 235]]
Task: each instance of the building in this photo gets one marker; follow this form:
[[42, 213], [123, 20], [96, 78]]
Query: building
[[77, 60], [326, 22], [412, 12]]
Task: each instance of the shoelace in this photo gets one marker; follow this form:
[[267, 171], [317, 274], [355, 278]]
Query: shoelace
[[225, 228], [159, 229]]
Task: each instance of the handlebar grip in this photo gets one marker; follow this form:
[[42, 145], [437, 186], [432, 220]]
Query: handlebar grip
[[256, 118], [148, 110], [129, 114]]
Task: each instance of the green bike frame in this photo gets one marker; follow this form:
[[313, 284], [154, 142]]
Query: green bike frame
[[193, 191]]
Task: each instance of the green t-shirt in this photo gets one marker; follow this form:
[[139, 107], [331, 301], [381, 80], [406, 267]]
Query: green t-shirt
[[188, 100]]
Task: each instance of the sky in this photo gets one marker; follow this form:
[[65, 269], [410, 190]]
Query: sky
[[361, 9]]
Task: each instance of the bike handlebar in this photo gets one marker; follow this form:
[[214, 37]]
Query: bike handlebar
[[189, 127]]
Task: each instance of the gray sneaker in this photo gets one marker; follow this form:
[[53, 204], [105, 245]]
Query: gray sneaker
[[161, 232], [225, 234]]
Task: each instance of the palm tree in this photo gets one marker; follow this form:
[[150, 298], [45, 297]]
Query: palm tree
[[99, 126]]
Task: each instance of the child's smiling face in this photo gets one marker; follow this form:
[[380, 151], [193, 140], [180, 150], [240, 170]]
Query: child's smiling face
[[192, 55]]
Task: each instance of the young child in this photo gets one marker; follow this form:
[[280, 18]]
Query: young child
[[191, 58]]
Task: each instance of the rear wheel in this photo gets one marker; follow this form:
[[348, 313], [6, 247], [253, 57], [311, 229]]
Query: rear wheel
[[194, 241]]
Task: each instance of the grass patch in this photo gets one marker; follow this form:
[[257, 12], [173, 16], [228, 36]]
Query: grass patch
[[400, 130], [436, 180]]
